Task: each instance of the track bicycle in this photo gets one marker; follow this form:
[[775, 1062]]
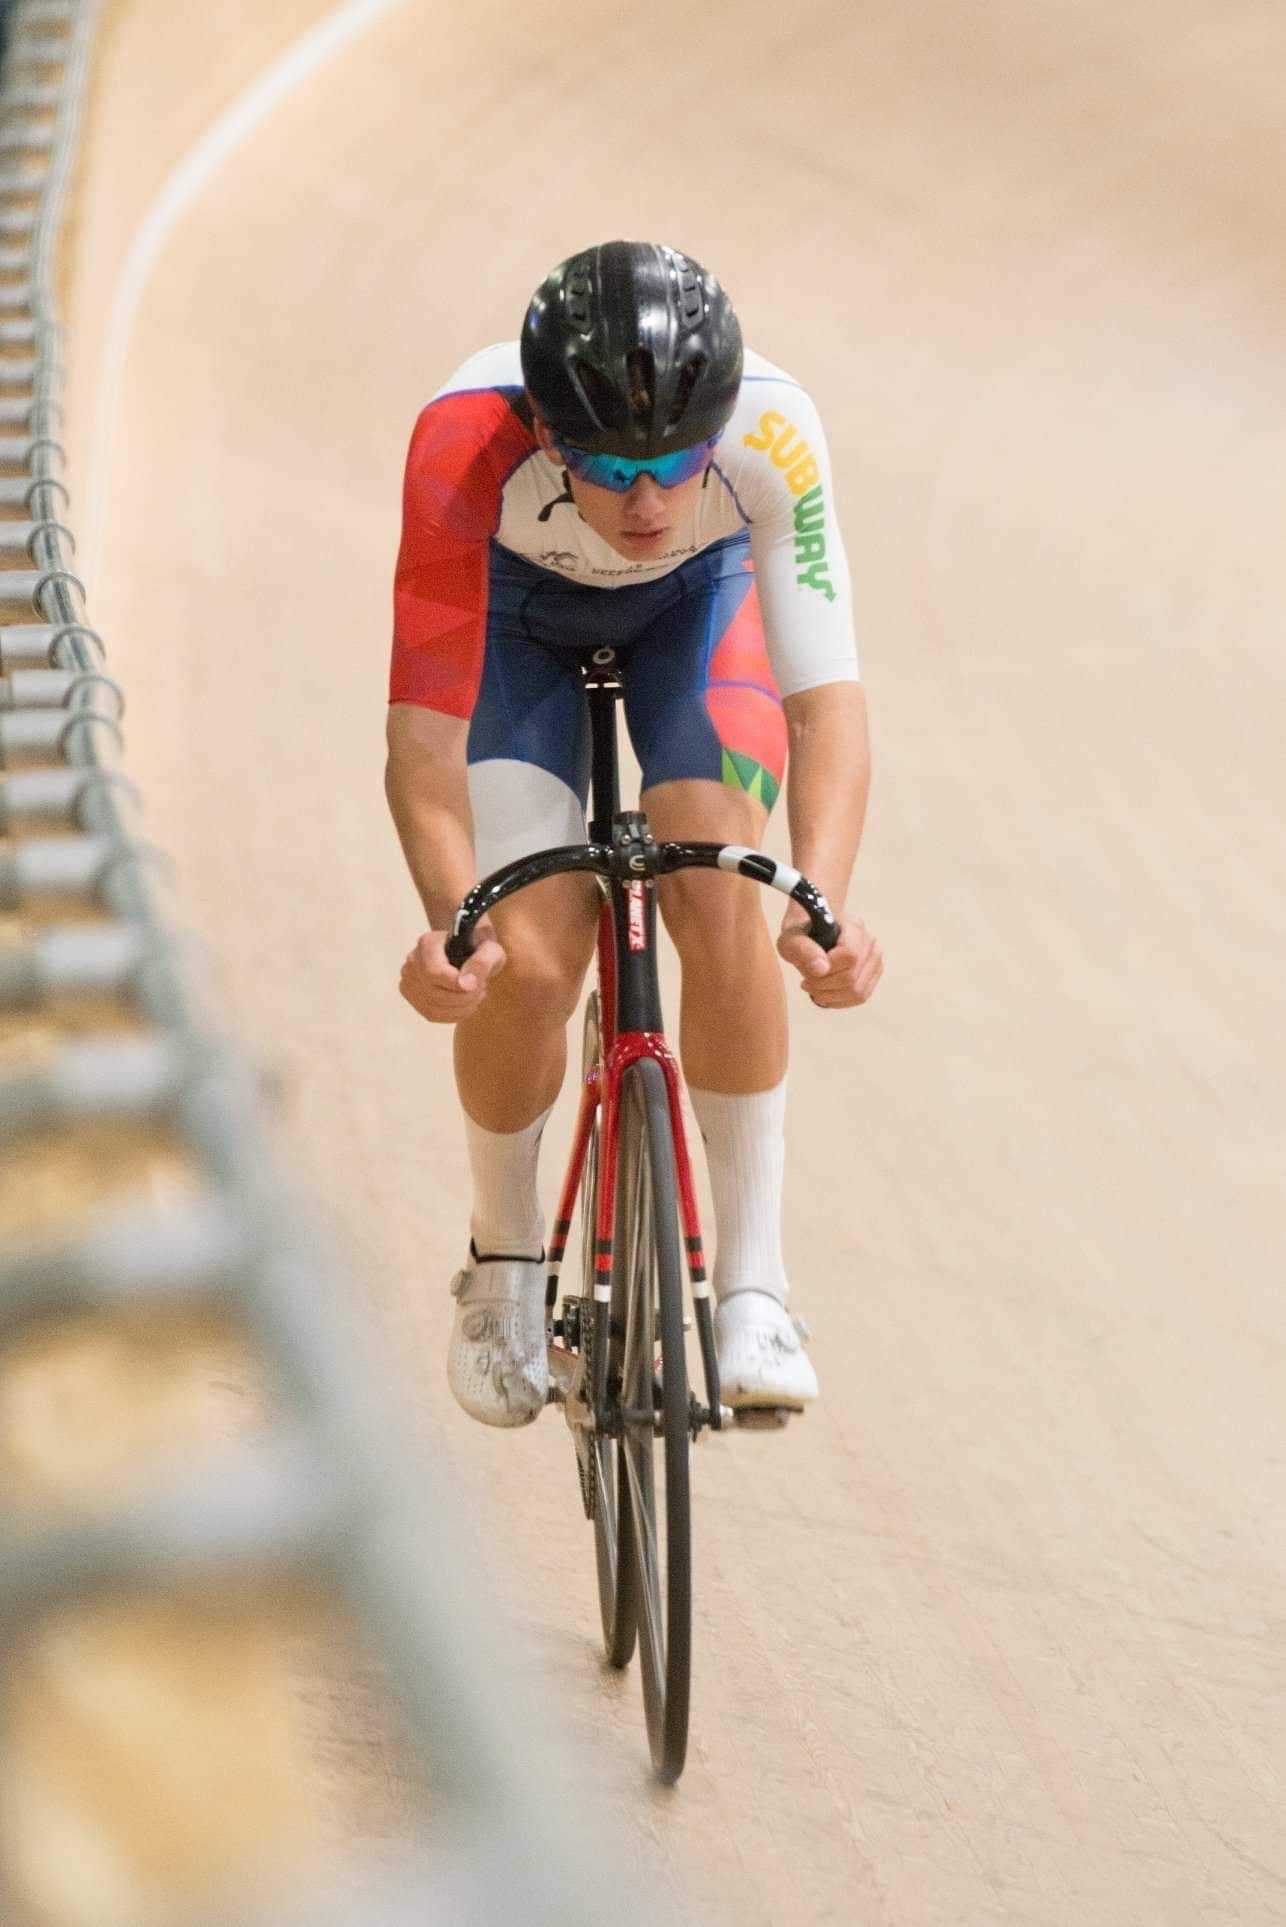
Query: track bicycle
[[617, 1357]]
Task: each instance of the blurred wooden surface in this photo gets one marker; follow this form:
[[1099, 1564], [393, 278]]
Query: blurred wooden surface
[[995, 1634]]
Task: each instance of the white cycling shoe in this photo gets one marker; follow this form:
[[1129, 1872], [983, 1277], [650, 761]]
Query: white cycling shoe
[[497, 1364], [762, 1361]]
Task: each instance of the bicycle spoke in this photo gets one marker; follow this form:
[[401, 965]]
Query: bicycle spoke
[[598, 1454], [637, 1330], [650, 1560]]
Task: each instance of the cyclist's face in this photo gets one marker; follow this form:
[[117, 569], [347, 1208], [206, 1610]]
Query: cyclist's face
[[638, 524]]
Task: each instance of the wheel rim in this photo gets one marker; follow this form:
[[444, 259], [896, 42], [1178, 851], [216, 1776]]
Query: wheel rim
[[611, 1505], [639, 1434], [661, 1588]]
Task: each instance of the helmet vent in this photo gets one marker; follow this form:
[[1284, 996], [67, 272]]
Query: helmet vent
[[689, 376], [640, 370], [577, 295], [598, 392], [691, 299]]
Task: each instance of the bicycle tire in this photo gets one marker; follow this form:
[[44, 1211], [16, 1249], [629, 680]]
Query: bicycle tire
[[647, 1283], [613, 1543]]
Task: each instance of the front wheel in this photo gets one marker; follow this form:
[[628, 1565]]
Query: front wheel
[[655, 1436], [602, 1470]]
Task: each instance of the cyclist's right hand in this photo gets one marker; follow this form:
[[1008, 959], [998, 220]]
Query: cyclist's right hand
[[440, 992]]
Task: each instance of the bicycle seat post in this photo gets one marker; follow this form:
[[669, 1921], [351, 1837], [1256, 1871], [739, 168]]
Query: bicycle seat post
[[603, 687]]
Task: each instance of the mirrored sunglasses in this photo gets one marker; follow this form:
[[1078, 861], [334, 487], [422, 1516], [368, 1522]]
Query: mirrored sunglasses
[[619, 472]]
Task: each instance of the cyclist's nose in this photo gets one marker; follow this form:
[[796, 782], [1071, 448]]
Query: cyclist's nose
[[646, 499]]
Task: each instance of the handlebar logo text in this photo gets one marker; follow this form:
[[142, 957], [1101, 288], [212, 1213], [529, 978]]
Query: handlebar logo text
[[637, 917]]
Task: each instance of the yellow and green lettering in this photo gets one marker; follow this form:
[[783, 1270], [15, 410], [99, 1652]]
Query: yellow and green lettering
[[789, 451], [811, 566], [767, 432], [783, 453]]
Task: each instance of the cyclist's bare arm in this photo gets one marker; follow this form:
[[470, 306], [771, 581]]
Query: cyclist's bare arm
[[426, 782], [827, 782]]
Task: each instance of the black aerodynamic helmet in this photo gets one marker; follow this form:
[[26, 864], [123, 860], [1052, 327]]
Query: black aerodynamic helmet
[[632, 349]]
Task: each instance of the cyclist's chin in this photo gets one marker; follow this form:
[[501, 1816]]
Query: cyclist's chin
[[626, 542]]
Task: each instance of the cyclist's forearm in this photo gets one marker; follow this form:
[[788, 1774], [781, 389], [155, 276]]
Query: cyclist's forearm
[[827, 781], [439, 854], [426, 783]]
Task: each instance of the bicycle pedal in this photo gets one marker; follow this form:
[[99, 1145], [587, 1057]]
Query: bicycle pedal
[[764, 1418]]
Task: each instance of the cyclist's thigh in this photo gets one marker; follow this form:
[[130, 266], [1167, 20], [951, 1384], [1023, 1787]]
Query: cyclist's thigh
[[705, 811], [702, 705], [529, 772], [700, 906], [529, 733]]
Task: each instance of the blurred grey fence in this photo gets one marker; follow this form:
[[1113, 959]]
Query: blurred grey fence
[[326, 1495]]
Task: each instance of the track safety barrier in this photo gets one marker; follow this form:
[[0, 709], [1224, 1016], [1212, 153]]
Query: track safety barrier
[[150, 1577]]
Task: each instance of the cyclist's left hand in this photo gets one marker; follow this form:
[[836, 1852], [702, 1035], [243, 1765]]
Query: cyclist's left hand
[[834, 979]]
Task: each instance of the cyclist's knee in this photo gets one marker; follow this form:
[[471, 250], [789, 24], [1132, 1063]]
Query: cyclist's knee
[[711, 917], [548, 943], [540, 984]]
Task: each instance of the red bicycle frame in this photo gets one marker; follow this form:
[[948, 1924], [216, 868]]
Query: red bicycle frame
[[600, 1101]]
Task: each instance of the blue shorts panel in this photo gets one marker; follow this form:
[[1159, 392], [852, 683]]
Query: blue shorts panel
[[690, 653], [530, 707]]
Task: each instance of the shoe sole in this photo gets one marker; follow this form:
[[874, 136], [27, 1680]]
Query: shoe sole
[[764, 1418], [746, 1398]]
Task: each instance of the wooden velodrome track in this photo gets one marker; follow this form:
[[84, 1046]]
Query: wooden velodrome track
[[995, 1635]]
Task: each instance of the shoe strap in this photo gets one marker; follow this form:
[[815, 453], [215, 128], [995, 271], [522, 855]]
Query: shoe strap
[[803, 1330], [503, 1257]]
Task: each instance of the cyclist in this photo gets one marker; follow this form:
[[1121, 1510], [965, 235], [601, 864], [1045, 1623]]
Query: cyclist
[[623, 478]]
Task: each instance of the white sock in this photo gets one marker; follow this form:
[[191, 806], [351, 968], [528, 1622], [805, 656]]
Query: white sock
[[507, 1220], [746, 1152]]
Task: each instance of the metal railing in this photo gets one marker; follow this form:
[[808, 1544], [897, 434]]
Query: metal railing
[[328, 1495]]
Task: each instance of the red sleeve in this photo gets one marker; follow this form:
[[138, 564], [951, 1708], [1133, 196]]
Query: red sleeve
[[462, 452]]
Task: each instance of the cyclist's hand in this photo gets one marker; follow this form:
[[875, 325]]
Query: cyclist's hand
[[834, 979], [437, 989]]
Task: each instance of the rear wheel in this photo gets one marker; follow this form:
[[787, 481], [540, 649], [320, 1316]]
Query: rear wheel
[[647, 1295]]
